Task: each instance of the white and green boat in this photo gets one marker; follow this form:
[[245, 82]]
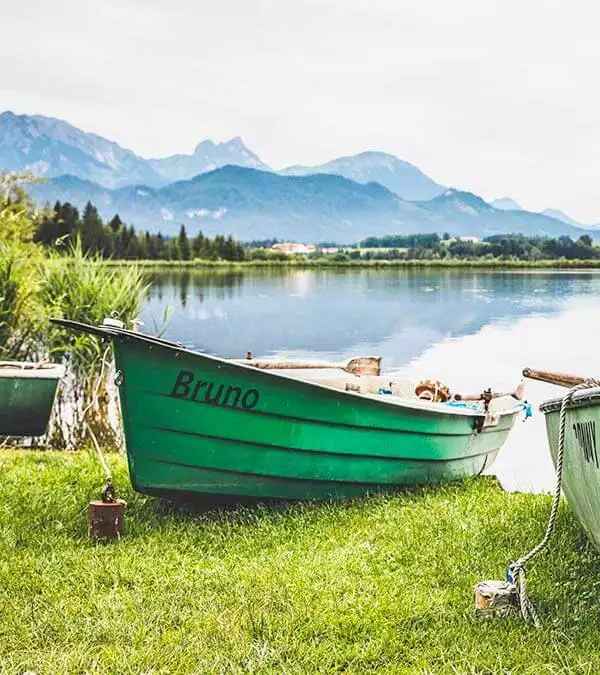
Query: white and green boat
[[27, 393], [581, 453]]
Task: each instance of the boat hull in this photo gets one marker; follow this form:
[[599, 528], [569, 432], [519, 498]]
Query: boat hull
[[197, 425], [26, 398], [581, 464]]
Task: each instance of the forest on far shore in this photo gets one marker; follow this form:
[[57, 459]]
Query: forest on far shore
[[63, 225]]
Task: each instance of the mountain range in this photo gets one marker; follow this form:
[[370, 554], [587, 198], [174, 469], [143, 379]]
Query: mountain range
[[226, 188], [254, 204], [206, 157], [398, 176], [50, 147], [508, 204]]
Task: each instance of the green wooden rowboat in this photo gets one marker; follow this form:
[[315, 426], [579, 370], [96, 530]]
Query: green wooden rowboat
[[27, 392], [581, 468], [200, 425], [581, 455]]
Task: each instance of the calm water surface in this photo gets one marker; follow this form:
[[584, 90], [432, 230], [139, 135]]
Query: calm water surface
[[469, 329]]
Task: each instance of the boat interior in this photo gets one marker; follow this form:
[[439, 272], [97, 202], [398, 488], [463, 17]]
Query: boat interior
[[398, 390]]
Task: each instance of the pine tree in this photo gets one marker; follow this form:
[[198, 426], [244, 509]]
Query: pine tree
[[92, 230], [131, 251], [183, 245], [199, 245], [161, 253], [150, 246], [69, 223], [115, 223], [46, 232], [218, 246]]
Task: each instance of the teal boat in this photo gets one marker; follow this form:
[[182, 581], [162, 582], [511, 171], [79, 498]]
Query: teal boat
[[27, 392], [581, 458], [200, 425]]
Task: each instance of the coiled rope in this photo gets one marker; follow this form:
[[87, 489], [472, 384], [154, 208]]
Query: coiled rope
[[516, 572]]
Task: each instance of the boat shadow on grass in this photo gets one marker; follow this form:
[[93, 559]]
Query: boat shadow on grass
[[249, 508]]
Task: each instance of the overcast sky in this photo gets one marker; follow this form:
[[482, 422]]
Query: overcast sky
[[500, 98]]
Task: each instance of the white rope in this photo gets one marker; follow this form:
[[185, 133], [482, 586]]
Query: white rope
[[94, 401], [517, 569], [103, 463]]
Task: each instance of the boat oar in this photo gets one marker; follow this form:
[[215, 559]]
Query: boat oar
[[561, 379], [489, 394], [360, 365]]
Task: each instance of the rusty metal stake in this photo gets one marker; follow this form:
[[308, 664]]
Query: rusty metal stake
[[106, 519]]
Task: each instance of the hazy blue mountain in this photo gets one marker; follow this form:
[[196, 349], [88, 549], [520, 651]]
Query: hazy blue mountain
[[561, 215], [464, 213], [50, 147], [206, 157], [400, 177], [247, 203], [253, 204], [506, 204]]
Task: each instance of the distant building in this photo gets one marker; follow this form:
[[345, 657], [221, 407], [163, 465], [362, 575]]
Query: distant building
[[294, 248], [472, 240]]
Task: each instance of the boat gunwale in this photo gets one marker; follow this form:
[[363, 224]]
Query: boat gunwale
[[428, 407], [579, 400], [14, 370]]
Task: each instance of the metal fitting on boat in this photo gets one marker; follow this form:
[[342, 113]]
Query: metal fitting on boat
[[113, 323]]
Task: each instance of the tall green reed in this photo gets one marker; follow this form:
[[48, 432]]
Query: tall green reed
[[20, 313], [79, 287], [35, 286]]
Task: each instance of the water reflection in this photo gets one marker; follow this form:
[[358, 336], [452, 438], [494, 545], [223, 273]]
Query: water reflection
[[397, 313], [469, 329]]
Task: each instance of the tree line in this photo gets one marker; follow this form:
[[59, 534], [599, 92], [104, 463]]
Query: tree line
[[63, 225], [504, 246]]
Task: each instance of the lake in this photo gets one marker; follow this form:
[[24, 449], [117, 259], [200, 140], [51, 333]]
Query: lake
[[469, 329]]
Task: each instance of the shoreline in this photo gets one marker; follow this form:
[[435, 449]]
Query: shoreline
[[198, 263]]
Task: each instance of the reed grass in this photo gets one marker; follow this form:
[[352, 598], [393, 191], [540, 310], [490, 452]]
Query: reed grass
[[20, 313], [20, 316], [80, 288], [381, 584]]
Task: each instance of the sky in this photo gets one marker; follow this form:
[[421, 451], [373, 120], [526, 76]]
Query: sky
[[498, 98]]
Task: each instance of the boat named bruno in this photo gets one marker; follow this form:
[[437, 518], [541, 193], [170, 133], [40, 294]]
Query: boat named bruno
[[199, 425]]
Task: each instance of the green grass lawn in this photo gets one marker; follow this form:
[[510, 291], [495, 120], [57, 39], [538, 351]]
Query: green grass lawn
[[384, 583]]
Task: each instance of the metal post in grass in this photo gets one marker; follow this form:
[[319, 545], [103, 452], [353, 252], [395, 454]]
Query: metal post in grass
[[106, 516]]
